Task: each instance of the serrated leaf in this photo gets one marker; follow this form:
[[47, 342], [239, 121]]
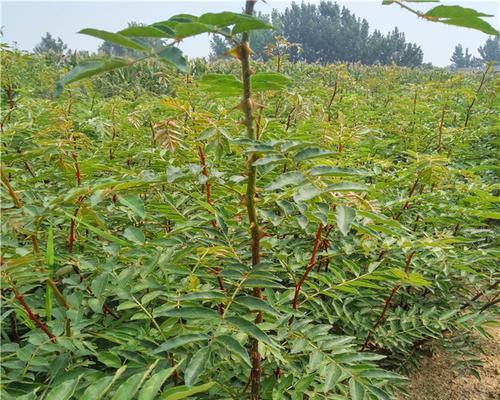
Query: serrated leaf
[[356, 389], [182, 392], [97, 389], [113, 38], [179, 341], [250, 329], [135, 203], [134, 234], [263, 81], [312, 152], [347, 187], [345, 218], [196, 366], [254, 303], [188, 313], [146, 31], [153, 385], [306, 193], [90, 68], [326, 170], [173, 56], [286, 179], [234, 347], [63, 391], [332, 376], [128, 389]]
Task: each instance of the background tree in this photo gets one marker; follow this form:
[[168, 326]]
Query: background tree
[[490, 51], [50, 45], [328, 33], [460, 59]]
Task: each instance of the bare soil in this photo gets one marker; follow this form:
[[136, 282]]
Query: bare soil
[[435, 380]]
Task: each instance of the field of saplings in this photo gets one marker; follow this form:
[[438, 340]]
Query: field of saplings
[[136, 264]]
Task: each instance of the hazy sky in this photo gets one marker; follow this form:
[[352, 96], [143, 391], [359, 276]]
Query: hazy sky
[[25, 22]]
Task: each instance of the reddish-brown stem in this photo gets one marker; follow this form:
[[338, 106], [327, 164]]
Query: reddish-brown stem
[[289, 118], [441, 125], [12, 192], [312, 263], [332, 98], [78, 173], [469, 109], [407, 203], [387, 303], [32, 316], [208, 186]]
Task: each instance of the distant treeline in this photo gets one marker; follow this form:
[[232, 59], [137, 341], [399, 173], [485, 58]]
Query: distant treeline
[[324, 33]]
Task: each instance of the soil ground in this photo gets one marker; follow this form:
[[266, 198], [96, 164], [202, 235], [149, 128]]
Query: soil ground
[[435, 380]]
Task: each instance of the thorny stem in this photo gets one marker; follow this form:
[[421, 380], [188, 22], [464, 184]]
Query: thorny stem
[[33, 316], [441, 124], [247, 106], [469, 109], [208, 186], [387, 303], [312, 263]]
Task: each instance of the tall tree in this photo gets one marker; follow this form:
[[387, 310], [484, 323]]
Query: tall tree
[[460, 59], [50, 45], [490, 51]]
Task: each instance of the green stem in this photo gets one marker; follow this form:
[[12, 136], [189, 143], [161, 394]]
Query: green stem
[[247, 106]]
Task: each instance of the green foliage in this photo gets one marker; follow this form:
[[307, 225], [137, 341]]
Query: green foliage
[[377, 226]]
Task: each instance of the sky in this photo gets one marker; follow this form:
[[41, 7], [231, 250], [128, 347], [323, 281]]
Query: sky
[[25, 22]]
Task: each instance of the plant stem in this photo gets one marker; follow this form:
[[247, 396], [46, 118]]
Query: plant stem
[[387, 303], [312, 263], [256, 372], [469, 109]]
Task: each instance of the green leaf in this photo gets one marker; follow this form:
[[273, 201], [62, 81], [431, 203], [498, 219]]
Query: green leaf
[[97, 390], [454, 12], [153, 385], [188, 313], [63, 391], [248, 23], [134, 234], [179, 341], [269, 81], [271, 159], [196, 366], [250, 329], [473, 23], [347, 187], [333, 373], [254, 303], [182, 392], [345, 218], [128, 389], [90, 68], [224, 18], [326, 170], [135, 203], [379, 394], [109, 359], [221, 85], [461, 16], [173, 56], [286, 179], [305, 193], [184, 30], [113, 38], [356, 389], [209, 295], [147, 31], [234, 347], [312, 152]]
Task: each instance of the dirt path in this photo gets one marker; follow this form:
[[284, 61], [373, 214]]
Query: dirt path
[[436, 381]]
